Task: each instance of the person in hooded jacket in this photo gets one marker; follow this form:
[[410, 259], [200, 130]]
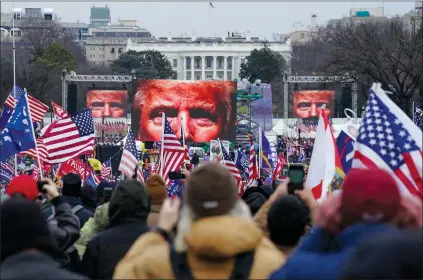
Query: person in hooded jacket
[[129, 207], [369, 205], [216, 237], [256, 196], [156, 188], [95, 225], [89, 197], [28, 249]]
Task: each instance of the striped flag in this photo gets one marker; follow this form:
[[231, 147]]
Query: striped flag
[[173, 153], [140, 174], [58, 111], [230, 165], [106, 169], [130, 156], [70, 137], [279, 166], [6, 173], [42, 150], [252, 166], [389, 140], [37, 108], [35, 173]]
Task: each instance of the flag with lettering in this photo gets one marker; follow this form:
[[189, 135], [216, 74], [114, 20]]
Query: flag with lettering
[[6, 173], [17, 136], [389, 140], [345, 145], [70, 137], [242, 163], [58, 111]]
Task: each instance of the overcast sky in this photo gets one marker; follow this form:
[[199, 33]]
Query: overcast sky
[[261, 19]]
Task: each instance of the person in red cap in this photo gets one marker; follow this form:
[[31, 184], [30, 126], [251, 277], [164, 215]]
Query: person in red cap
[[369, 205], [23, 186]]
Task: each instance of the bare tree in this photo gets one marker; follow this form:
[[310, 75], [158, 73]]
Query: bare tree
[[388, 52]]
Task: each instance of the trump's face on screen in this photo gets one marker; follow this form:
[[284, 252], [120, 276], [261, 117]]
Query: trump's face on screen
[[204, 108], [307, 103], [107, 103]]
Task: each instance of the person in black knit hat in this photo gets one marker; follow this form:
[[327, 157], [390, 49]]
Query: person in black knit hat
[[287, 222], [28, 249]]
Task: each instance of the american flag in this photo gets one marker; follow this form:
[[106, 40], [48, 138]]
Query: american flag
[[389, 140], [130, 157], [106, 169], [252, 166], [70, 137], [173, 153], [229, 164], [6, 173], [35, 173], [42, 151], [279, 166], [38, 109], [147, 172]]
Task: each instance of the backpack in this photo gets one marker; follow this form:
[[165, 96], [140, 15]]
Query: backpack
[[75, 210], [181, 269]]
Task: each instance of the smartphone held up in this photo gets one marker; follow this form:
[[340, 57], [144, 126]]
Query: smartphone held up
[[296, 175]]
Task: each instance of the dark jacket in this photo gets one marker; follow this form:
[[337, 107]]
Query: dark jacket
[[83, 215], [129, 207], [32, 265], [195, 159], [324, 256], [65, 226]]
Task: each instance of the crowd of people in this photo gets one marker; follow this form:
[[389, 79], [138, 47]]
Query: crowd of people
[[132, 230]]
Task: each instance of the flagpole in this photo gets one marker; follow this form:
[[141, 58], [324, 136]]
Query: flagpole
[[183, 137], [161, 146], [260, 149], [14, 76], [33, 133]]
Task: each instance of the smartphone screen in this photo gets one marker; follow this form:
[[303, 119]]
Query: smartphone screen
[[176, 175], [296, 176]]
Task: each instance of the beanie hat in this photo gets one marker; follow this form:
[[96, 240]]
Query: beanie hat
[[369, 195], [71, 185], [23, 226], [211, 190], [156, 188], [25, 185], [129, 200]]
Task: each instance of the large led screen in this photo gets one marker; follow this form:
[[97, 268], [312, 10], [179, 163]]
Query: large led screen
[[110, 103], [307, 103], [207, 109]]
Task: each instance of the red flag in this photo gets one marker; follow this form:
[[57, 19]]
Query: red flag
[[58, 111]]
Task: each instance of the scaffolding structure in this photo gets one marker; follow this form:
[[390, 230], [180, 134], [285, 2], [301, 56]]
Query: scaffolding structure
[[246, 96]]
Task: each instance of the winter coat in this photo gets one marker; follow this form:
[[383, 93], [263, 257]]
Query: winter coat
[[96, 224], [153, 217], [211, 245], [128, 210], [83, 215], [324, 256], [33, 265], [65, 226]]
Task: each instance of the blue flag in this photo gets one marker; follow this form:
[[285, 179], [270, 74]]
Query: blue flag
[[242, 163], [175, 188], [17, 136], [5, 116], [345, 146], [91, 180], [266, 152]]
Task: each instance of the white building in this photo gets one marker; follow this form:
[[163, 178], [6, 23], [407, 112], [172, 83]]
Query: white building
[[201, 58]]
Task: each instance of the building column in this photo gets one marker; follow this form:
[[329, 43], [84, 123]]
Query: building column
[[203, 67], [225, 68], [214, 67], [192, 68], [233, 68], [184, 66]]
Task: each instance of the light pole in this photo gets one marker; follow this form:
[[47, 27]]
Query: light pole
[[299, 123]]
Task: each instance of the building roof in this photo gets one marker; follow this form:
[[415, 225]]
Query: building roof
[[100, 13], [74, 25]]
